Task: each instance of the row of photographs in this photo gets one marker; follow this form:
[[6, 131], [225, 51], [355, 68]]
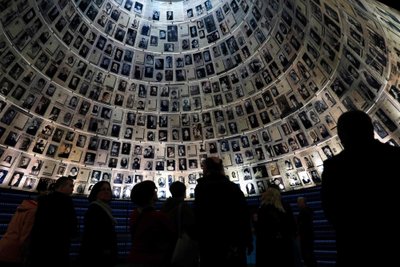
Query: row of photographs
[[313, 34], [386, 107], [147, 66], [153, 127], [249, 114], [291, 181], [221, 47], [321, 113], [204, 94], [315, 119], [270, 170], [20, 177], [250, 188], [127, 155], [138, 156], [204, 117], [113, 23], [34, 165], [109, 17], [75, 79], [166, 99], [151, 10], [225, 81], [237, 84], [274, 141], [191, 8], [245, 149], [326, 150], [165, 128]]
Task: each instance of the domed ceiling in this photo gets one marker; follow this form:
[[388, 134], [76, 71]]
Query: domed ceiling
[[125, 91]]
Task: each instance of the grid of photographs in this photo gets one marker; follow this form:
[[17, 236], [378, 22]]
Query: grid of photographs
[[125, 90]]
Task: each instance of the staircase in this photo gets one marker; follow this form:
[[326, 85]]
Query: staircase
[[325, 249]]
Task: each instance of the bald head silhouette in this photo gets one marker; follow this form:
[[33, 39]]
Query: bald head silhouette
[[355, 129]]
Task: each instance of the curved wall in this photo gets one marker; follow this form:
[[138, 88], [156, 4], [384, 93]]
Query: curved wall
[[132, 90]]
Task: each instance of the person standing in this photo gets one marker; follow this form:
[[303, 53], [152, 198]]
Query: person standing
[[354, 197], [274, 232], [152, 231], [181, 214], [99, 240], [54, 226], [15, 242], [222, 218], [306, 232], [172, 204]]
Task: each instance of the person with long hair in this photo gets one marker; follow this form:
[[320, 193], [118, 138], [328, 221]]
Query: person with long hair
[[274, 232], [99, 240]]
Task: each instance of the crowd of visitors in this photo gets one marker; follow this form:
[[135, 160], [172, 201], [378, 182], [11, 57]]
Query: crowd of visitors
[[219, 221]]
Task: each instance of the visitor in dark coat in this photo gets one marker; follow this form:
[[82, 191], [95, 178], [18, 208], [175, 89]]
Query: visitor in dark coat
[[358, 196], [153, 236], [54, 227], [274, 232], [306, 232], [181, 215], [222, 218], [99, 240], [172, 205]]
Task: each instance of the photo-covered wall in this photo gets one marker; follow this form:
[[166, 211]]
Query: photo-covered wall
[[125, 91]]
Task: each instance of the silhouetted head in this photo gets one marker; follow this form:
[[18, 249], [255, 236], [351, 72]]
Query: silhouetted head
[[41, 187], [64, 185], [177, 189], [144, 193], [99, 187], [301, 202], [272, 196], [212, 166], [355, 129]]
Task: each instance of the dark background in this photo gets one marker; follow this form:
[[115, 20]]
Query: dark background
[[392, 3]]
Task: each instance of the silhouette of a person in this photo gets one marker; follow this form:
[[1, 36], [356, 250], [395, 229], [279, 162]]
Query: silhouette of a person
[[306, 232], [223, 240], [349, 201]]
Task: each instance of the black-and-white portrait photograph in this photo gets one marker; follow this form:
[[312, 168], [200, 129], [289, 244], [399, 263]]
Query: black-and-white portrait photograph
[[138, 8]]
